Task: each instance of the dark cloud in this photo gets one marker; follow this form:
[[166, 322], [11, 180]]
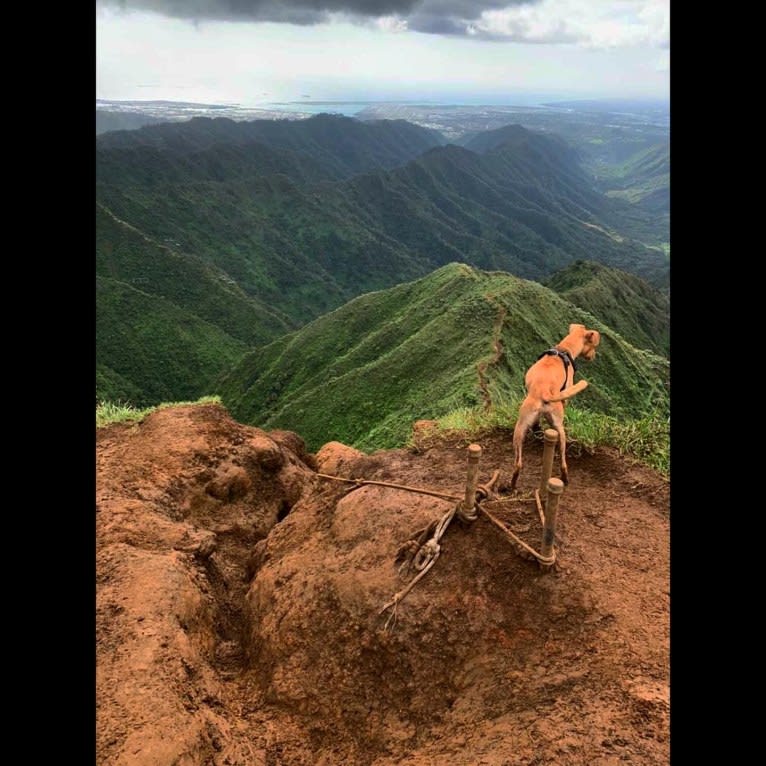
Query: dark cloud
[[436, 25], [443, 17], [454, 16], [287, 11], [464, 9]]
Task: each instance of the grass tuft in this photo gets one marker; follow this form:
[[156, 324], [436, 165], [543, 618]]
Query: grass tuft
[[121, 412], [646, 439]]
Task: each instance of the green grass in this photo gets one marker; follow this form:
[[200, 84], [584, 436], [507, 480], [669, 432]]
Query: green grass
[[646, 439], [119, 412], [474, 421]]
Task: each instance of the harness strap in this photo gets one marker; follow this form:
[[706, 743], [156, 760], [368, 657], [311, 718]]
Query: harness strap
[[565, 358]]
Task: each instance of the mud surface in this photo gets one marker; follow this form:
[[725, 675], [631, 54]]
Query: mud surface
[[239, 602]]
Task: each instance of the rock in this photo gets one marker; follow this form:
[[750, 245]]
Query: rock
[[293, 442], [333, 456]]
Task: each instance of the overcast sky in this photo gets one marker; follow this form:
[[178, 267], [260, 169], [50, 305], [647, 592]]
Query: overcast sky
[[256, 51]]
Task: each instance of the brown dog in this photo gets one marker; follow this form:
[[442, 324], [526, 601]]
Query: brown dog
[[549, 383]]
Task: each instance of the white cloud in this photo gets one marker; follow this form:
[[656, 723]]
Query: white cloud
[[391, 24], [588, 23], [656, 16]]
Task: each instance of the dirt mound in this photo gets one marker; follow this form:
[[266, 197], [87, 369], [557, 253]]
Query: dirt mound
[[239, 599]]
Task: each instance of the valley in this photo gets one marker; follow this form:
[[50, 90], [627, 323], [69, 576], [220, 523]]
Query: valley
[[285, 221]]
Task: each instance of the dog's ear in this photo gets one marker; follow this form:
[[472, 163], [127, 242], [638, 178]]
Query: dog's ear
[[593, 337], [573, 327]]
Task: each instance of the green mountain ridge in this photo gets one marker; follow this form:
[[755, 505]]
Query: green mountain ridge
[[107, 120], [341, 146], [125, 254], [643, 178], [279, 240], [167, 323], [152, 165], [242, 237], [517, 136], [149, 350], [625, 302], [364, 372]]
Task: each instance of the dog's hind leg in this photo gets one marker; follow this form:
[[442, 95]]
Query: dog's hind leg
[[556, 416], [528, 413]]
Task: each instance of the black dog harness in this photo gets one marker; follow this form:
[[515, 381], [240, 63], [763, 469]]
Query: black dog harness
[[565, 357]]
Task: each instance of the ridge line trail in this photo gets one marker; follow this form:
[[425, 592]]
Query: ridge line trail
[[497, 346]]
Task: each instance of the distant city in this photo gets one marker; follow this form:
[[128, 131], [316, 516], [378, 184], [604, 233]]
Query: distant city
[[453, 120]]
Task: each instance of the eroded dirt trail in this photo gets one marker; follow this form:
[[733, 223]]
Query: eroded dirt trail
[[238, 600]]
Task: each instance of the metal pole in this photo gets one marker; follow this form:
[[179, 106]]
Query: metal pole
[[549, 448], [555, 488], [468, 506]]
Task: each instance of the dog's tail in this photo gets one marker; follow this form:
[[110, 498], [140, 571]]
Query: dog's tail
[[567, 392]]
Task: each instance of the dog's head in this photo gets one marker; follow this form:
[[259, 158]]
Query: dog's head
[[590, 340]]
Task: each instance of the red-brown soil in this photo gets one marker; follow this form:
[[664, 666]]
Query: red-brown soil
[[239, 596]]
